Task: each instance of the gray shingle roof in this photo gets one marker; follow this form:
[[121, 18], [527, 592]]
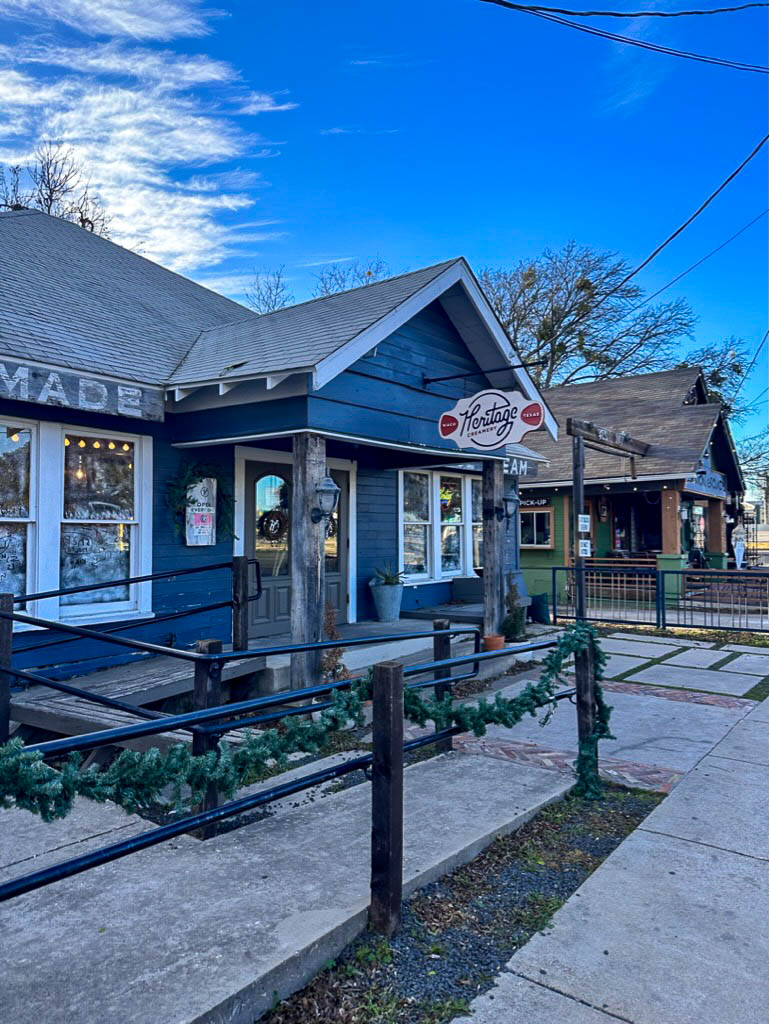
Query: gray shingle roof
[[649, 407], [71, 298], [297, 336], [74, 299]]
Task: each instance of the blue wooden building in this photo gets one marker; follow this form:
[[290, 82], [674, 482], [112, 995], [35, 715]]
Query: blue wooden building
[[121, 382]]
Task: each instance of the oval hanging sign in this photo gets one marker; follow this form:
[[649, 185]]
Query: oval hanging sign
[[491, 419]]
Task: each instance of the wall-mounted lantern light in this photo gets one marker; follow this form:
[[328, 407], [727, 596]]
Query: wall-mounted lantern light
[[510, 503], [327, 494]]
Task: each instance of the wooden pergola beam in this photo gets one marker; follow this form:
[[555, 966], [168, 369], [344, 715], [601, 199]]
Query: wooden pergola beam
[[615, 439]]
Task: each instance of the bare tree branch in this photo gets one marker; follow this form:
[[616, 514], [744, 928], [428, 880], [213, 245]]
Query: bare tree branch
[[342, 276], [54, 183], [268, 291]]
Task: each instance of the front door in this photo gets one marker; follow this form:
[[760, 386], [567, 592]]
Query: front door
[[268, 538]]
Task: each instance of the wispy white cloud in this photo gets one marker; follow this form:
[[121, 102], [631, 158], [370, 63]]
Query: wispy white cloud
[[262, 103], [153, 127], [136, 19], [325, 261]]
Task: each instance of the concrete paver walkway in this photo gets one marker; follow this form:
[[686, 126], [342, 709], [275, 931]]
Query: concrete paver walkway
[[672, 928]]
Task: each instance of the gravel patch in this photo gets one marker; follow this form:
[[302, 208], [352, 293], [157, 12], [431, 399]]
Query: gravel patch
[[458, 933]]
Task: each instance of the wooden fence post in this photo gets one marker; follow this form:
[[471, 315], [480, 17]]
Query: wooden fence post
[[441, 652], [6, 643], [207, 693], [387, 799], [239, 603]]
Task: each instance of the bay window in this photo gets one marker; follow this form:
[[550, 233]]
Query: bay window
[[75, 510], [441, 525]]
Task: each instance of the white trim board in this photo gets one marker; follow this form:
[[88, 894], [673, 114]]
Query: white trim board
[[239, 440]]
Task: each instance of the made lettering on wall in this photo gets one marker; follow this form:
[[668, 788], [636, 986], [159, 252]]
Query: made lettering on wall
[[66, 390]]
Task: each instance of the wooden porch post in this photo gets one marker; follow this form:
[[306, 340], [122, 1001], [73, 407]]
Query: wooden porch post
[[493, 483], [716, 527], [671, 523], [307, 557]]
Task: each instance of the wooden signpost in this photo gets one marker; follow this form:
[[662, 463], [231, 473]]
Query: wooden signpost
[[610, 442]]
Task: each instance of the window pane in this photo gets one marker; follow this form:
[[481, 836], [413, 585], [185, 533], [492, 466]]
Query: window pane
[[98, 478], [451, 549], [13, 558], [332, 544], [91, 553], [451, 499], [15, 448], [527, 527], [415, 556], [272, 514], [416, 498], [476, 488], [477, 547], [543, 528]]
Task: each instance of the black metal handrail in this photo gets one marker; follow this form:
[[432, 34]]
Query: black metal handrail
[[251, 652], [153, 837], [125, 581], [106, 737], [133, 624]]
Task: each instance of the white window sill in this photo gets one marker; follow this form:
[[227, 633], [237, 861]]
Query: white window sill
[[438, 579]]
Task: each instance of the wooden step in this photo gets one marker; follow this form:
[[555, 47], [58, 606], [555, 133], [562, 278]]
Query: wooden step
[[72, 716], [138, 683]]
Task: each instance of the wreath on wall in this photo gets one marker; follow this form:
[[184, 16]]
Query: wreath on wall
[[176, 497]]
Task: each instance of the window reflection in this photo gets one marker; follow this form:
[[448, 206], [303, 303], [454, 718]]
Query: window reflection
[[272, 514]]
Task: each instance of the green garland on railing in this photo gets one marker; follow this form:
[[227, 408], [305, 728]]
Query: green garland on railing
[[140, 781]]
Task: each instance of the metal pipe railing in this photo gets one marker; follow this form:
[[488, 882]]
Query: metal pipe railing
[[125, 581], [190, 823]]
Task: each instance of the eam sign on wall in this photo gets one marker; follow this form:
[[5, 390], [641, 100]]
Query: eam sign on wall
[[491, 419]]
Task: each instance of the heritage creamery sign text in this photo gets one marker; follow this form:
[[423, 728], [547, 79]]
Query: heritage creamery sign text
[[490, 419], [67, 390]]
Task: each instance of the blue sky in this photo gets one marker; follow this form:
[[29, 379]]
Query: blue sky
[[255, 135]]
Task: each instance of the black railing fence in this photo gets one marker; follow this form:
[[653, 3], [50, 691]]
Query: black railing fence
[[211, 718], [730, 599]]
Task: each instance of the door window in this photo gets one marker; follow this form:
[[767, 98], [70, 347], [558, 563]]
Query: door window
[[272, 515]]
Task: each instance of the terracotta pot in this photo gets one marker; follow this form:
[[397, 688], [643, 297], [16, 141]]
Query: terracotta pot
[[493, 642]]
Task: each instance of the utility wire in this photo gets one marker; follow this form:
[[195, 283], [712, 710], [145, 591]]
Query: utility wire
[[689, 220], [654, 47], [627, 14], [752, 363], [699, 263]]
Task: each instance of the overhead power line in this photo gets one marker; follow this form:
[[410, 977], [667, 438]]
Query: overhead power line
[[699, 263], [689, 220], [752, 363], [644, 45], [628, 14]]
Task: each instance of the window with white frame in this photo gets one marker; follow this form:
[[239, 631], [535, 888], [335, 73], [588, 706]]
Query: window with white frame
[[75, 510], [536, 528], [17, 505], [441, 525]]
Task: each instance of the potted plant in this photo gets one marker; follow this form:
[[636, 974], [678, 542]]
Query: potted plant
[[387, 592]]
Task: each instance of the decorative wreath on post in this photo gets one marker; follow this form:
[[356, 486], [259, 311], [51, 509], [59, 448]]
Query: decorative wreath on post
[[177, 490]]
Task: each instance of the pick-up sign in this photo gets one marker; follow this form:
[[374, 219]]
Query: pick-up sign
[[490, 419]]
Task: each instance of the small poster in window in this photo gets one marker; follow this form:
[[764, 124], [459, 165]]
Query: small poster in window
[[200, 519], [584, 549]]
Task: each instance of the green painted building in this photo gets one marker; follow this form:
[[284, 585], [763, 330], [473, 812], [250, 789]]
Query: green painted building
[[675, 507]]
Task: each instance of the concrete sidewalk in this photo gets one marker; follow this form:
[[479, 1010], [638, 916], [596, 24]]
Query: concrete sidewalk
[[672, 928]]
